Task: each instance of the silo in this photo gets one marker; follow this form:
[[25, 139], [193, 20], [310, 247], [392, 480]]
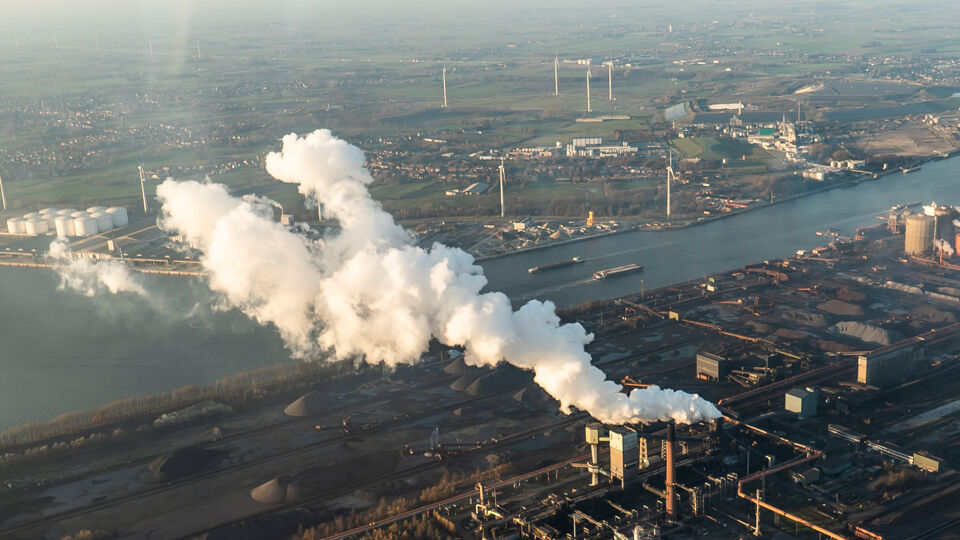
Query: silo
[[919, 234], [95, 209], [119, 215], [64, 226], [66, 211], [36, 226], [16, 226], [104, 221], [85, 225]]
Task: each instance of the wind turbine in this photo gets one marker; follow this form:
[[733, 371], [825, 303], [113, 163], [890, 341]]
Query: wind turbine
[[670, 177], [3, 198], [556, 74], [143, 189], [503, 174], [588, 91]]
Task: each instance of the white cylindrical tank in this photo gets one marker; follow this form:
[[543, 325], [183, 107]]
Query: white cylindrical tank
[[94, 209], [64, 226], [79, 214], [16, 225], [36, 226], [31, 215], [66, 211], [49, 211], [119, 215], [85, 225], [104, 221]]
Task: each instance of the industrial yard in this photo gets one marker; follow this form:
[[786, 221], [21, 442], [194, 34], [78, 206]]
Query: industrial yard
[[833, 369]]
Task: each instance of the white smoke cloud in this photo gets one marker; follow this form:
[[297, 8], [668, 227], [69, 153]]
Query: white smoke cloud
[[366, 291], [88, 277]]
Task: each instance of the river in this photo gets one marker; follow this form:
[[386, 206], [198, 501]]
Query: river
[[62, 351]]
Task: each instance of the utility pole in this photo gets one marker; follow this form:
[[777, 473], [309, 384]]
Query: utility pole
[[143, 190], [198, 49]]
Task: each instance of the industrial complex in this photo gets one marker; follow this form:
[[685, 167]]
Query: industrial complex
[[833, 369]]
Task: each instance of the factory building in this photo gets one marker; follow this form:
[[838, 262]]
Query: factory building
[[919, 234], [712, 367], [594, 147], [890, 365], [926, 461], [802, 402], [623, 454]]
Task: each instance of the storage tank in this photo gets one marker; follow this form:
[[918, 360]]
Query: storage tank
[[66, 211], [64, 226], [36, 226], [119, 215], [16, 225], [49, 211], [31, 215], [919, 234], [95, 209], [85, 225], [104, 221]]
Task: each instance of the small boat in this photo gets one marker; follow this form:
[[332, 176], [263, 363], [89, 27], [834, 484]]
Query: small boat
[[617, 271], [554, 265]]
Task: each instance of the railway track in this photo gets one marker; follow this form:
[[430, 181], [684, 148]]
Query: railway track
[[394, 475], [259, 428], [21, 528]]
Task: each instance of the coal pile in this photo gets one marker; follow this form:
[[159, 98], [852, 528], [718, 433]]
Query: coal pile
[[182, 463]]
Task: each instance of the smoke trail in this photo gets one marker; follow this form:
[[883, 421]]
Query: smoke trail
[[366, 291], [88, 277]]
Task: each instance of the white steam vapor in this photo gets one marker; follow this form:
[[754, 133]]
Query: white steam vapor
[[88, 277], [367, 291]]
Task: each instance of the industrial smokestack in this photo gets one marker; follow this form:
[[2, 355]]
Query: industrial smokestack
[[503, 209], [671, 489], [3, 198]]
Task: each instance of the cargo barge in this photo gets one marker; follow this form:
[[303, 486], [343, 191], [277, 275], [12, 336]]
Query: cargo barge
[[617, 271], [554, 266]]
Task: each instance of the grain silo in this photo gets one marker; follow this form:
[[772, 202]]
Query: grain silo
[[64, 226], [119, 215], [16, 226], [104, 221], [36, 225], [919, 234], [85, 225]]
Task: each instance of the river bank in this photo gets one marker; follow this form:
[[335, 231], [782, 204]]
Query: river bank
[[636, 227]]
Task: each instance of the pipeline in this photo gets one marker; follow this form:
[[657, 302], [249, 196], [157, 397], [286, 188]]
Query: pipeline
[[810, 455]]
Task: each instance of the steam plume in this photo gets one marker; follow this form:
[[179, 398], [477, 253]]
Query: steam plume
[[88, 277], [367, 291]]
